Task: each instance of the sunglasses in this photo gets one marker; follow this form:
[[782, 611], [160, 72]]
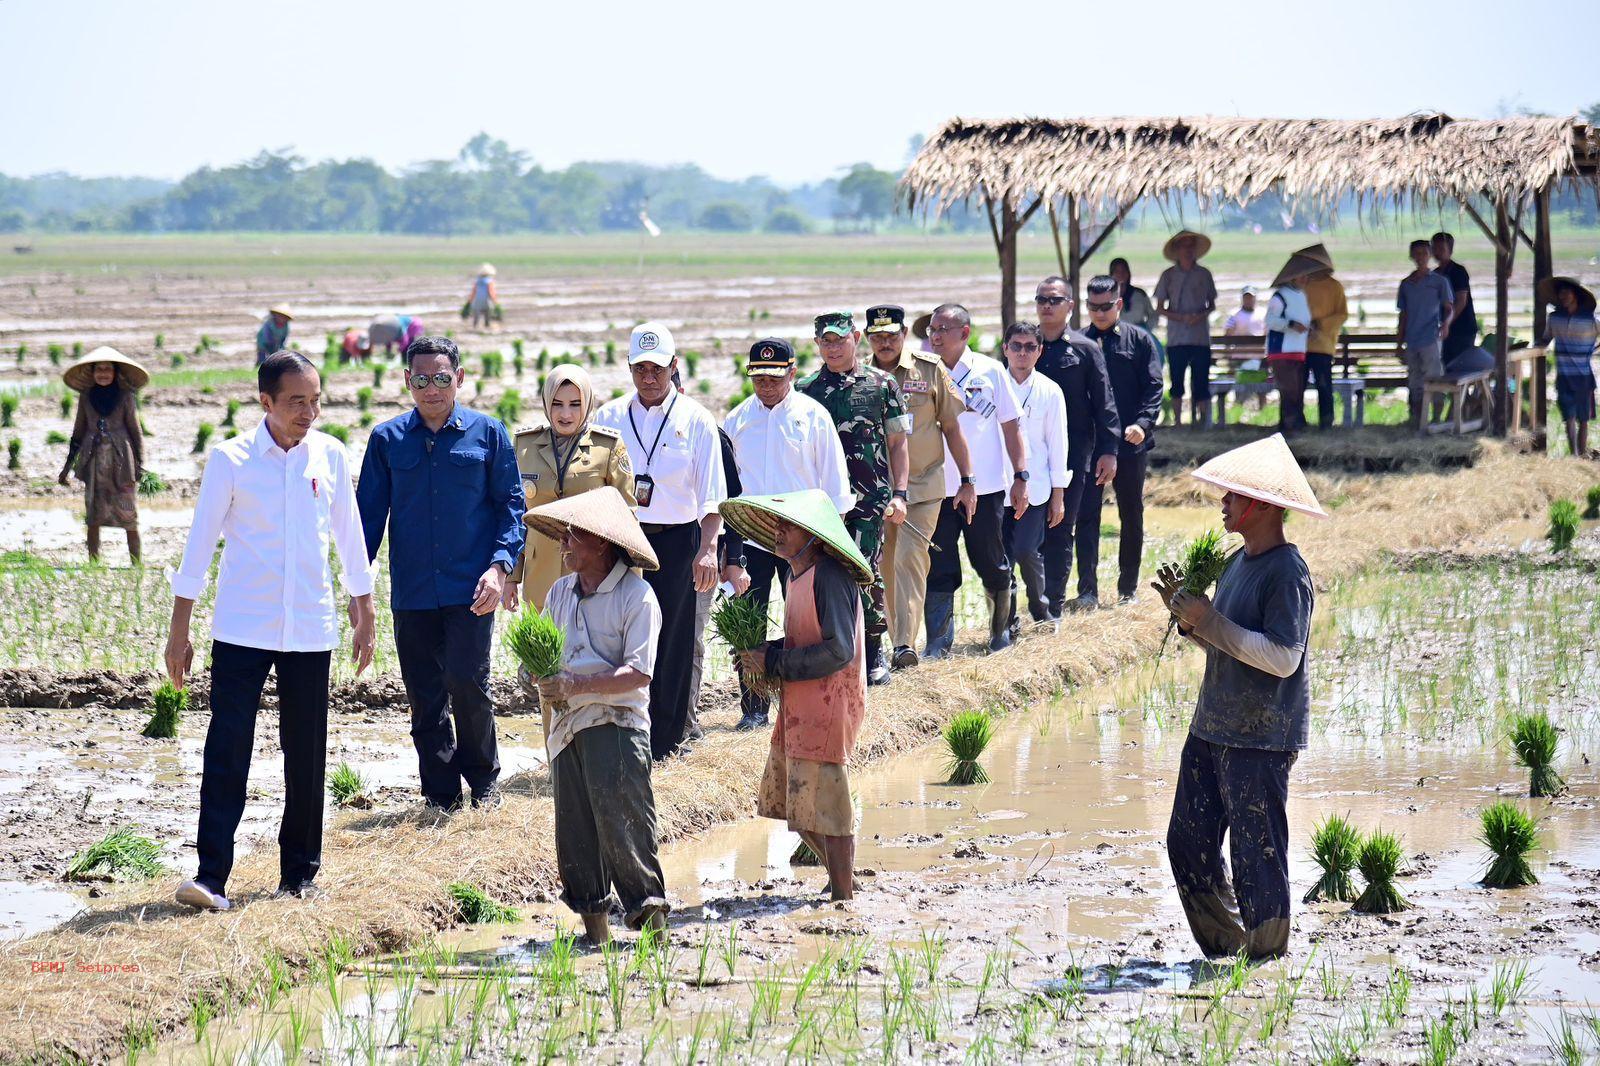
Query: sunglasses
[[1052, 301], [444, 379], [1100, 308], [1022, 347]]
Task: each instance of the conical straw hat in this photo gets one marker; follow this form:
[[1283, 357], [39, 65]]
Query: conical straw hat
[[80, 375], [1298, 266], [756, 518], [1319, 252], [1202, 244], [280, 309], [1547, 294], [603, 512], [486, 269], [1263, 470]]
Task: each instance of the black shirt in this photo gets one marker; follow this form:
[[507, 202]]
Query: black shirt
[[1464, 330], [1133, 364], [731, 543], [1077, 364]]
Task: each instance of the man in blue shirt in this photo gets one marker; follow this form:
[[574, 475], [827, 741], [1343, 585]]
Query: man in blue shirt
[[444, 479]]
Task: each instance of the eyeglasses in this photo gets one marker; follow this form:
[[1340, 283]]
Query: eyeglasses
[[1095, 308], [944, 329], [444, 379], [1022, 347], [648, 371], [1052, 301]]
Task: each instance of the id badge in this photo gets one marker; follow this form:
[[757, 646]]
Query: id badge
[[644, 486]]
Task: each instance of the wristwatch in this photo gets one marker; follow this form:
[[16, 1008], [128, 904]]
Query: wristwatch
[[1022, 475], [902, 494], [971, 479], [502, 567]]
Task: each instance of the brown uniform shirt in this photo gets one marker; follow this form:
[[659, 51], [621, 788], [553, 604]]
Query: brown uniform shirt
[[601, 459], [932, 401]]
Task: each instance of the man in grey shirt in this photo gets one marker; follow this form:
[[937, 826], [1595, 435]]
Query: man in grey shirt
[[1426, 304], [1185, 296]]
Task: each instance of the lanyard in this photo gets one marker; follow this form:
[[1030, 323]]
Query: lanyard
[[665, 418], [561, 464], [962, 380]]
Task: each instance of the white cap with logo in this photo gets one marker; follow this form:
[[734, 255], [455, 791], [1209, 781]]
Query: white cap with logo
[[651, 343]]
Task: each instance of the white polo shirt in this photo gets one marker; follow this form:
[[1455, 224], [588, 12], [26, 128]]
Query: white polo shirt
[[677, 445], [789, 446], [277, 513], [1044, 421], [986, 389]]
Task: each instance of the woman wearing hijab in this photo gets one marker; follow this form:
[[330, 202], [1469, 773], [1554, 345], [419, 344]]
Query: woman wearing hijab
[[107, 448]]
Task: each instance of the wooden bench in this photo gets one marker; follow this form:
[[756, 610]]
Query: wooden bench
[[1459, 389], [1377, 357]]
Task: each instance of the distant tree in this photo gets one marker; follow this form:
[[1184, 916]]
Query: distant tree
[[725, 216], [1591, 114], [786, 220], [866, 194]]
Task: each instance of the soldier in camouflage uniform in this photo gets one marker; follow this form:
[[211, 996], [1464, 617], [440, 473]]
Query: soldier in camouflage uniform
[[867, 407]]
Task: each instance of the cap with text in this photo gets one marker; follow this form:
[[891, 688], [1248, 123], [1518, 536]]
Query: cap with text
[[838, 323], [886, 318], [771, 357], [651, 342]]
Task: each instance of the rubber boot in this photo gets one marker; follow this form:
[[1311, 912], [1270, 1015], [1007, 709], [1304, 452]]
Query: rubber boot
[[999, 619], [938, 616], [1014, 629], [877, 668]]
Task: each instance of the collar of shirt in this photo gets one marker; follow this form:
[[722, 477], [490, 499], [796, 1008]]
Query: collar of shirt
[[619, 569], [456, 420]]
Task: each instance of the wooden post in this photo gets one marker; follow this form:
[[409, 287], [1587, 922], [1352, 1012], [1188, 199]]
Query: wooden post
[[1503, 248], [1074, 256], [1008, 264], [1543, 267]]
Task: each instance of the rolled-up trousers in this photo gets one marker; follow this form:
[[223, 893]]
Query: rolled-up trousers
[[606, 822]]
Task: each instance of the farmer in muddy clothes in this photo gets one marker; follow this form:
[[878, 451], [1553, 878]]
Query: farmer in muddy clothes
[[273, 336], [483, 302], [1252, 717], [393, 332], [443, 478], [599, 741], [822, 666], [279, 496], [106, 452]]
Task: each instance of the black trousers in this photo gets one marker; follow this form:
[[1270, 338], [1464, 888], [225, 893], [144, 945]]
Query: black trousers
[[1319, 372], [238, 675], [673, 584], [1128, 486], [1023, 538], [1057, 549], [1243, 793], [986, 548], [444, 662], [762, 567]]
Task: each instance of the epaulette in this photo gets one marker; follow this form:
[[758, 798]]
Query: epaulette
[[606, 431]]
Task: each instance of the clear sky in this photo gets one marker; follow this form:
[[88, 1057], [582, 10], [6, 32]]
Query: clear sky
[[794, 91]]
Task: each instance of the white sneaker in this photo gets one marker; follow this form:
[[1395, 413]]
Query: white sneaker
[[201, 898]]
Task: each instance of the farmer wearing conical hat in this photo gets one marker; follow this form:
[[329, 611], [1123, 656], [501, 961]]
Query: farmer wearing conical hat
[[599, 738], [1185, 296], [273, 336], [1251, 719], [821, 663], [483, 303], [1329, 309], [1571, 330], [107, 447]]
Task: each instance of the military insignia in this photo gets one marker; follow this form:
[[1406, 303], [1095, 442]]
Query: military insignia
[[648, 342]]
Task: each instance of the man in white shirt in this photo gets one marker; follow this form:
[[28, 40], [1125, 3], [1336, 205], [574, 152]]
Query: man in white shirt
[[992, 427], [1044, 420], [678, 482], [783, 441], [276, 496]]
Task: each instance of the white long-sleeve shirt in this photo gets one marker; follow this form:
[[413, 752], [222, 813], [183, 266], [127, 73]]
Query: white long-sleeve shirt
[[789, 446], [991, 399], [276, 513], [1287, 307], [676, 445], [1044, 425]]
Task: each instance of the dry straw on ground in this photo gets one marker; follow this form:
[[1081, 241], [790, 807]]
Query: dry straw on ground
[[386, 874]]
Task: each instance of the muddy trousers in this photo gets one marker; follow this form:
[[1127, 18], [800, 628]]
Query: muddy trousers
[[905, 572], [444, 662], [673, 585], [763, 568], [1243, 793], [238, 675], [1128, 486], [605, 816]]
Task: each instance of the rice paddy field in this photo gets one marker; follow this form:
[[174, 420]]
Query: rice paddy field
[[1028, 916]]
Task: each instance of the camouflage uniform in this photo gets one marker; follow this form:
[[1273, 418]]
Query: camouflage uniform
[[867, 407]]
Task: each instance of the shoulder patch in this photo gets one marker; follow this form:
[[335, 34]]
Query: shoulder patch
[[605, 431], [532, 431]]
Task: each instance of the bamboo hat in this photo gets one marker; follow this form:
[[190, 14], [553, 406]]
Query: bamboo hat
[[1547, 294], [80, 375], [603, 512], [486, 270], [1202, 244], [1298, 266], [920, 327], [280, 309], [756, 518], [1263, 470], [1319, 252]]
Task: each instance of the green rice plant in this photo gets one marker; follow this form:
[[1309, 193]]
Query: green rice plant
[[66, 406], [55, 352], [965, 738], [364, 398], [1199, 566], [804, 855], [1534, 739], [703, 387], [151, 483], [741, 622], [1336, 846], [509, 409], [77, 349], [122, 853], [1563, 525], [1511, 834], [1381, 855], [9, 402], [611, 353], [493, 363], [202, 436], [617, 393], [13, 454], [161, 340], [170, 703], [691, 364], [366, 420], [22, 353], [590, 356], [377, 374], [537, 642], [348, 788], [177, 360], [55, 436], [1591, 499], [543, 362], [233, 413], [337, 432], [475, 907]]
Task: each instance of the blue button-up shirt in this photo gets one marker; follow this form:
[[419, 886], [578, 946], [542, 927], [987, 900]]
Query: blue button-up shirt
[[452, 501]]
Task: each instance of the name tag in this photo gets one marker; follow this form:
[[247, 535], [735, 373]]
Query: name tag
[[914, 385]]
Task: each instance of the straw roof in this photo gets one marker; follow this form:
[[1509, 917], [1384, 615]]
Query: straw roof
[[1219, 160]]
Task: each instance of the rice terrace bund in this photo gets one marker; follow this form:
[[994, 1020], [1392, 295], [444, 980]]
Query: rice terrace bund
[[1026, 916]]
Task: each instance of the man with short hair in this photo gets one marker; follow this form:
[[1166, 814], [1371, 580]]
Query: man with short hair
[[1075, 363], [1426, 303], [1247, 321], [992, 426], [1044, 427], [934, 408], [443, 478], [678, 478], [1133, 365], [783, 441], [1463, 332], [1185, 296], [870, 414], [279, 496]]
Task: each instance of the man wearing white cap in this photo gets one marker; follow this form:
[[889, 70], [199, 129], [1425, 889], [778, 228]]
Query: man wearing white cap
[[1252, 716], [678, 483]]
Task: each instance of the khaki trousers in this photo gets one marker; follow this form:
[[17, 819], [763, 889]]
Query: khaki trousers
[[905, 572]]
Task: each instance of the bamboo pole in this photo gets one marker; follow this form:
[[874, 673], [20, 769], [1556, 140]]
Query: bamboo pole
[[1504, 247], [1543, 267], [1074, 256]]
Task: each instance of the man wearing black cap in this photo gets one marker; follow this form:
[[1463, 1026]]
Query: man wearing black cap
[[934, 407]]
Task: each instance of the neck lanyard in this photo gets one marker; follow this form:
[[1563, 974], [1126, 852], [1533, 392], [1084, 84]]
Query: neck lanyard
[[962, 380], [561, 464], [665, 418]]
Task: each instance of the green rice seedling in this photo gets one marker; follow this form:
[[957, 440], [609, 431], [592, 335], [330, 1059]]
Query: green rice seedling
[[77, 349], [176, 360], [122, 853], [161, 340], [202, 436], [337, 432], [13, 454], [703, 387], [965, 738], [366, 420], [730, 949], [55, 352], [1591, 498], [54, 437], [475, 907], [377, 374], [364, 398], [1381, 855], [207, 341], [233, 413], [543, 361], [1566, 1046], [9, 401], [617, 393], [1534, 739], [803, 855], [537, 642], [170, 703], [691, 363], [741, 622], [493, 363], [66, 406], [348, 788], [1396, 994], [1511, 834], [611, 353], [1335, 845], [151, 483], [1509, 982], [1199, 565], [509, 409], [1563, 525]]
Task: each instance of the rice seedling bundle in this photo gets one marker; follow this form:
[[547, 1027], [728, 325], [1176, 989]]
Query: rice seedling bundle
[[161, 340], [55, 436], [1563, 525], [475, 907], [14, 454], [1200, 565], [1381, 855], [1534, 739], [66, 407], [364, 398], [8, 408], [337, 432], [170, 703], [804, 856], [348, 788], [77, 349], [966, 737], [55, 352], [1592, 501], [466, 310], [537, 642], [493, 363], [120, 854], [741, 622], [151, 483], [22, 353], [509, 409], [233, 413], [1336, 847], [1512, 835], [202, 436]]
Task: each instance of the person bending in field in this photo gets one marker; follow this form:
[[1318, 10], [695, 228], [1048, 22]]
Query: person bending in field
[[1571, 332], [1252, 716]]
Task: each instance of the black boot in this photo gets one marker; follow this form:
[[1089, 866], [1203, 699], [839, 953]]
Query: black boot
[[938, 615], [877, 667], [999, 619], [1014, 630]]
